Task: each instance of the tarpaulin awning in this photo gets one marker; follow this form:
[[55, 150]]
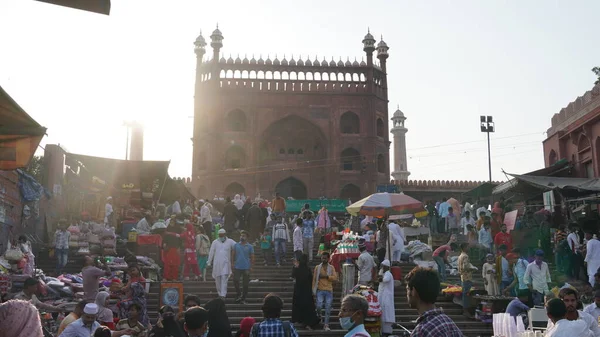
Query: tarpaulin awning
[[482, 191], [95, 6], [175, 189], [120, 174], [20, 134], [569, 187], [560, 169]]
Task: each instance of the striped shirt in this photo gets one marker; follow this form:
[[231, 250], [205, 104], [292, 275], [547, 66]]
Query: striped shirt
[[280, 231]]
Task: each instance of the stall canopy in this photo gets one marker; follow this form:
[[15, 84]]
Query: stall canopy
[[116, 173], [95, 6], [175, 189], [482, 191], [569, 187], [561, 168], [20, 134]]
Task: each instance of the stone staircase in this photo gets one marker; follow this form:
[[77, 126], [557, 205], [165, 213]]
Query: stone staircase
[[278, 280]]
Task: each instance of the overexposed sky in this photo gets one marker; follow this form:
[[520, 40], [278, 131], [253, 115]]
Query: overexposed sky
[[82, 74]]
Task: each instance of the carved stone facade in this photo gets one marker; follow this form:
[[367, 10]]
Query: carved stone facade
[[303, 128], [575, 135]]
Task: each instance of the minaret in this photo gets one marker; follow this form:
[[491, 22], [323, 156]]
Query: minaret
[[369, 48], [382, 55], [216, 42], [399, 131]]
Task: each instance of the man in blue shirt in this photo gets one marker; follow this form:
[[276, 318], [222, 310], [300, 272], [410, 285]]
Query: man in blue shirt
[[352, 315], [272, 326], [308, 234], [243, 257], [517, 306]]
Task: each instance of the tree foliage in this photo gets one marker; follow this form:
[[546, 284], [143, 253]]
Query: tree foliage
[[596, 70], [36, 168]]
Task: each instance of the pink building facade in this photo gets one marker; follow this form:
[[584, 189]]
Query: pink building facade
[[575, 135]]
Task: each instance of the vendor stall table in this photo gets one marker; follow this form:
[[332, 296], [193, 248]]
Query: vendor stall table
[[337, 259], [416, 231]]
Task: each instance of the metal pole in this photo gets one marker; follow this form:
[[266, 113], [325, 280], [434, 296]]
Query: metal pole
[[489, 157], [127, 143]]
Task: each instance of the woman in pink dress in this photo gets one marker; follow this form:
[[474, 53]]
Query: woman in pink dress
[[189, 256]]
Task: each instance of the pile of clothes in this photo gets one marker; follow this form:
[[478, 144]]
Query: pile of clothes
[[416, 248], [93, 238]]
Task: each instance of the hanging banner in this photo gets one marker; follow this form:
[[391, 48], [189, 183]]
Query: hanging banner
[[510, 219], [333, 205]]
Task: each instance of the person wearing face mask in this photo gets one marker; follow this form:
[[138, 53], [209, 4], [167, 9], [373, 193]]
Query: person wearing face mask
[[386, 299], [352, 314], [243, 257], [220, 257]]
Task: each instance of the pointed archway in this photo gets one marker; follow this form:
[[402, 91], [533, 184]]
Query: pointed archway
[[292, 187], [350, 191], [233, 189]]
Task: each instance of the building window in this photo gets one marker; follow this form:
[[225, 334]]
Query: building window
[[290, 151], [380, 128], [236, 121], [350, 160], [589, 169], [235, 157], [381, 163], [350, 123], [282, 151], [300, 153]]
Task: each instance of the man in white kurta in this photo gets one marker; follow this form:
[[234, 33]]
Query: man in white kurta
[[398, 239], [386, 298], [108, 211], [592, 257], [220, 258]]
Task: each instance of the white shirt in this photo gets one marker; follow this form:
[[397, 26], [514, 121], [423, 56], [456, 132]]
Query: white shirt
[[590, 324], [566, 328], [108, 210], [365, 263], [538, 277], [298, 241], [78, 329], [593, 311], [176, 209], [573, 240], [143, 227], [205, 214], [220, 252], [464, 222]]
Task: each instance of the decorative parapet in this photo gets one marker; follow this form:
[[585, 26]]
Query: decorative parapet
[[438, 185], [575, 110]]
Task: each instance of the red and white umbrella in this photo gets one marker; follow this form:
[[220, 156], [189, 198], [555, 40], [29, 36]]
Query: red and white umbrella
[[384, 204]]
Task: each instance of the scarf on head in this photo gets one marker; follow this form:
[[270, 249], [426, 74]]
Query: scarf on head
[[245, 326], [104, 314], [318, 273], [19, 319]]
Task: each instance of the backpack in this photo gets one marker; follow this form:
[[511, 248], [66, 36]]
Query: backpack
[[287, 329]]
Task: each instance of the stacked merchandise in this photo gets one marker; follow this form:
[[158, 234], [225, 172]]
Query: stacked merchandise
[[74, 239], [109, 241], [373, 319], [84, 245]]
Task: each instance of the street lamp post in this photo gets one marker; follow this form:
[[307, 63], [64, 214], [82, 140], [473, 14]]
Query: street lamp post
[[488, 126]]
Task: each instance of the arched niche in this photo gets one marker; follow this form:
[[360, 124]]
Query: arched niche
[[380, 128], [236, 121], [350, 192], [292, 187], [350, 123], [233, 189], [553, 157], [235, 157], [350, 158], [381, 165]]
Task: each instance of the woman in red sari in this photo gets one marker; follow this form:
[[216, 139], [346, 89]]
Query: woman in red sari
[[171, 255], [190, 259]]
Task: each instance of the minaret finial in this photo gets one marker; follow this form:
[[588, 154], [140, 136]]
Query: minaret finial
[[217, 25], [381, 37], [368, 29], [398, 106]]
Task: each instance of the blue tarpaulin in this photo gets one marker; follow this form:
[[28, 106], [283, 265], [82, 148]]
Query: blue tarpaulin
[[30, 189]]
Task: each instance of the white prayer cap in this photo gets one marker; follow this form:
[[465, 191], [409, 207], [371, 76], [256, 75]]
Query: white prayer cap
[[222, 231], [108, 198], [91, 309], [385, 263]]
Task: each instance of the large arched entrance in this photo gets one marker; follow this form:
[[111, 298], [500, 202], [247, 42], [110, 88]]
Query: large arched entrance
[[292, 187], [351, 192], [233, 189], [292, 139]]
